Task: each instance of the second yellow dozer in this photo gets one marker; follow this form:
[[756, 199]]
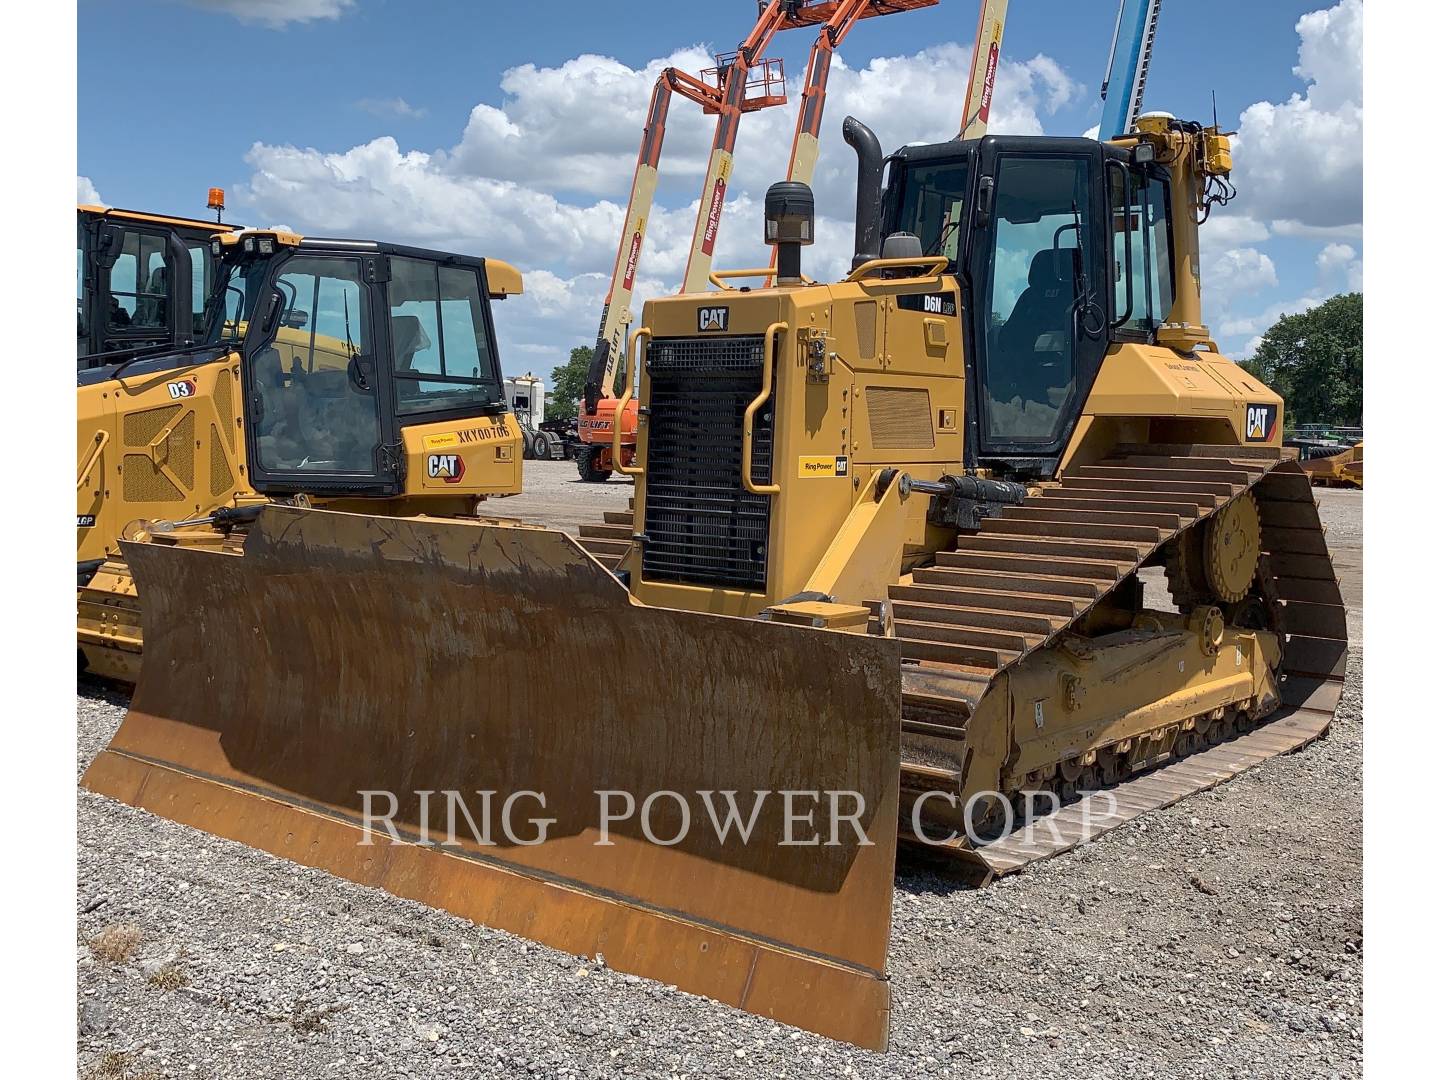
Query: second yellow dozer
[[885, 582], [343, 373], [1345, 469]]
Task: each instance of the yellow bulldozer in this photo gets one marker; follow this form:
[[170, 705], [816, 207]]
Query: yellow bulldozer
[[1344, 468], [983, 549], [340, 373]]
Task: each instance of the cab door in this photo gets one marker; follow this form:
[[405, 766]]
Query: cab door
[[1041, 303], [319, 415], [141, 288]]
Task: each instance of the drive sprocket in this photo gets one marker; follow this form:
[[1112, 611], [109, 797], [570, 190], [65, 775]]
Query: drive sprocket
[[1216, 561], [1232, 548]]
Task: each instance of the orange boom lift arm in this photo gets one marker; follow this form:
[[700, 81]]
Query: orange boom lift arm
[[984, 63]]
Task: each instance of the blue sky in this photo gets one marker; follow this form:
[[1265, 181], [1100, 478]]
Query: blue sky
[[358, 120]]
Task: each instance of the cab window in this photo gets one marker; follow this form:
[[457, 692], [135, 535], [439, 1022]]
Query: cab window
[[140, 282], [1037, 274], [440, 334], [1143, 273], [202, 277], [934, 196], [314, 408]]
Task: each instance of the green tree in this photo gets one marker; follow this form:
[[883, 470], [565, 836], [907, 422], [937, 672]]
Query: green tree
[[1314, 361], [567, 383]]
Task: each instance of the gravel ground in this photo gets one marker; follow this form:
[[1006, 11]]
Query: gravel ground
[[555, 495], [1221, 937]]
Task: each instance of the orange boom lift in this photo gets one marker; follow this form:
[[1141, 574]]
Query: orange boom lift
[[741, 82]]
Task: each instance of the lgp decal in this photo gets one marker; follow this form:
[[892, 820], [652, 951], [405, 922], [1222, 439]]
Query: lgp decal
[[84, 521], [1260, 422], [716, 319], [183, 389], [447, 467]]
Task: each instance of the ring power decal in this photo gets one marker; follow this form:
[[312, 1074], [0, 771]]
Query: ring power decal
[[813, 465]]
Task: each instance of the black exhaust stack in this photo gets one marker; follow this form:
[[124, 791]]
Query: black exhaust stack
[[869, 165]]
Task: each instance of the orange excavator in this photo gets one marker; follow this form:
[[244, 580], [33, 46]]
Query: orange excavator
[[741, 82]]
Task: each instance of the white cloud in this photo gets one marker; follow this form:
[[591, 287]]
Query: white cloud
[[541, 180], [1251, 326], [1301, 160], [1224, 233], [1299, 172], [276, 13], [86, 193], [396, 106], [1340, 266], [575, 127], [1238, 272], [1287, 227]]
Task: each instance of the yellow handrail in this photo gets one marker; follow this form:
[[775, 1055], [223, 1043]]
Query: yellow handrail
[[619, 422], [717, 277], [101, 438], [747, 432], [935, 263]]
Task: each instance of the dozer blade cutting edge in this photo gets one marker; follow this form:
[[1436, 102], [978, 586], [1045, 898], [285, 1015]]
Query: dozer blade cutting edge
[[343, 654]]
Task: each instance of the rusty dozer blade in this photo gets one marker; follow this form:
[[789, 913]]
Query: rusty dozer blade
[[344, 654]]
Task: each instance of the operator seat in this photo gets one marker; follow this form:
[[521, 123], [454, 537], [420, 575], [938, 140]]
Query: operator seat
[[1036, 340], [1045, 306], [151, 308], [409, 338]]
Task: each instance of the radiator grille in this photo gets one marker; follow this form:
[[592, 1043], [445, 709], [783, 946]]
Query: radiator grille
[[224, 406], [865, 321], [180, 450], [899, 418], [144, 482], [701, 525], [221, 478], [141, 427]]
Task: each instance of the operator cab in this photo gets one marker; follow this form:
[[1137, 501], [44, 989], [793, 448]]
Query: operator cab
[[141, 281], [1062, 247], [344, 344]]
